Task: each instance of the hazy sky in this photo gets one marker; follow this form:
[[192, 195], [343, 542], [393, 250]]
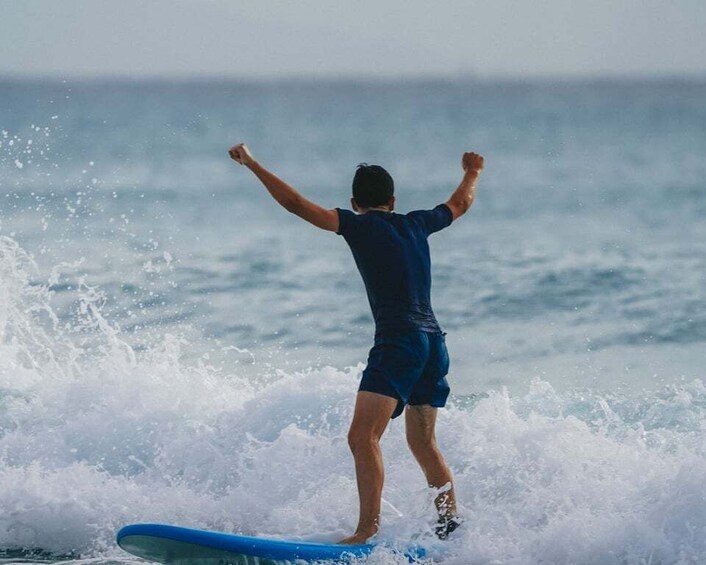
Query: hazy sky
[[390, 38]]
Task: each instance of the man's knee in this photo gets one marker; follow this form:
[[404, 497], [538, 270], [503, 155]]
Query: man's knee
[[362, 440], [422, 447]]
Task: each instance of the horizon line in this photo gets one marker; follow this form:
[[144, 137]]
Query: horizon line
[[372, 78]]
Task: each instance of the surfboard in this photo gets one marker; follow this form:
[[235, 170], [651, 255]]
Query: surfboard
[[186, 546]]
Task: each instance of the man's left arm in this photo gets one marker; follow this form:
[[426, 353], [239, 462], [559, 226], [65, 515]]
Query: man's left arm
[[284, 194]]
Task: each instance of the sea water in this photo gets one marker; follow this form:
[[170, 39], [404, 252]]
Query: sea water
[[174, 347]]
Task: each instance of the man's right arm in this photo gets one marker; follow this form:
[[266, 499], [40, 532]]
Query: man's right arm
[[462, 198], [285, 195]]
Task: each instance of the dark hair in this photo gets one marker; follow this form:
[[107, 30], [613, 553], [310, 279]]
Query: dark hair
[[372, 186]]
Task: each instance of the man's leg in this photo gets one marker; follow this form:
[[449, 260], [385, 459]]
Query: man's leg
[[420, 423], [371, 416]]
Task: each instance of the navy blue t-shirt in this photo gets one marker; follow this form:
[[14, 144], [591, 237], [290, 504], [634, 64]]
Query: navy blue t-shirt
[[392, 255]]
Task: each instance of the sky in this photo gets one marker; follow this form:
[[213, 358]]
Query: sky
[[338, 38]]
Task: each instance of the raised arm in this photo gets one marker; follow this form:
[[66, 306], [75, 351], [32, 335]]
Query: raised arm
[[284, 194], [462, 198]]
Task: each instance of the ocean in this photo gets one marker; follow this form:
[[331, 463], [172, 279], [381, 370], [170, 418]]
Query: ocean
[[174, 347]]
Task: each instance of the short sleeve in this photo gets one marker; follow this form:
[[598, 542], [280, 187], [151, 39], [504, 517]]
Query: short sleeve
[[434, 220], [346, 222]]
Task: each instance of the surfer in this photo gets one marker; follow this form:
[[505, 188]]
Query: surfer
[[408, 362]]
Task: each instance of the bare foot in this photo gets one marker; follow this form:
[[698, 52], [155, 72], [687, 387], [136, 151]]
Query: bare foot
[[446, 525], [357, 538]]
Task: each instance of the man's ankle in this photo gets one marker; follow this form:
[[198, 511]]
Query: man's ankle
[[368, 531]]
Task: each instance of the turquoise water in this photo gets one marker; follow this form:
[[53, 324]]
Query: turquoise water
[[174, 347]]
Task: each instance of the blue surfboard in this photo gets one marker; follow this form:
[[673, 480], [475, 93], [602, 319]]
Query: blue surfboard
[[186, 546]]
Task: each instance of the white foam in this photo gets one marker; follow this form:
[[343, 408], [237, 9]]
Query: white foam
[[94, 435]]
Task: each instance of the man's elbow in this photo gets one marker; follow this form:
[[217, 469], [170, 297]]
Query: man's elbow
[[293, 205], [459, 206]]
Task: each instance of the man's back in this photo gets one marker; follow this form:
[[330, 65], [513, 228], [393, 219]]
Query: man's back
[[392, 255]]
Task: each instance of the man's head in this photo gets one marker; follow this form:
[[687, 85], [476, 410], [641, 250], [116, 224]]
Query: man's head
[[373, 187]]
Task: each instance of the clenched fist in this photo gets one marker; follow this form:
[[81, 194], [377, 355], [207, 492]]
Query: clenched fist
[[241, 154], [472, 162]]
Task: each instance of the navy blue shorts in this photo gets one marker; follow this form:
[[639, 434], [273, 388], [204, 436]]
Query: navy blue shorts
[[410, 367]]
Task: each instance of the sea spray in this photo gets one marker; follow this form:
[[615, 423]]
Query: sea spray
[[95, 435]]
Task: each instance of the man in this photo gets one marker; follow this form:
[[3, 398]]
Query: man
[[408, 363]]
